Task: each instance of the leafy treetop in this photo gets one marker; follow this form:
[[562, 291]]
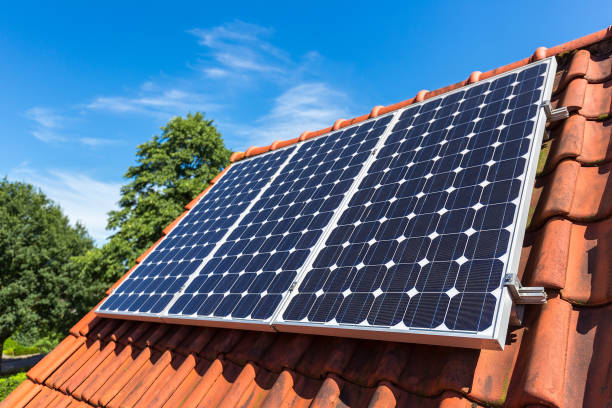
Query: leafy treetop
[[171, 170]]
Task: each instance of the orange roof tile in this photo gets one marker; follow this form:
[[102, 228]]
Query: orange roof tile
[[560, 357]]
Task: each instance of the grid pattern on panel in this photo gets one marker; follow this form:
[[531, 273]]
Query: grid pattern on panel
[[252, 270], [424, 240], [153, 284]]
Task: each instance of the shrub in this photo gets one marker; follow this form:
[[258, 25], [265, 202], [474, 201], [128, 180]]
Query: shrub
[[9, 382]]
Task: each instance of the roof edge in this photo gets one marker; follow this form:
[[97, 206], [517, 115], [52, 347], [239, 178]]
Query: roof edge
[[476, 76]]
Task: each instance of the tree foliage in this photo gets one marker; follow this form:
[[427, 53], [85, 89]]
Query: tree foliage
[[171, 169], [39, 291]]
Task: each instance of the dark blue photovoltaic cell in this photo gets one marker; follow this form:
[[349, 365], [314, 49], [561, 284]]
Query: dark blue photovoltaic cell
[[153, 284], [422, 237], [252, 270]]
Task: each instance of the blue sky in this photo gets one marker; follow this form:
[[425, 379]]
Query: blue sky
[[83, 86]]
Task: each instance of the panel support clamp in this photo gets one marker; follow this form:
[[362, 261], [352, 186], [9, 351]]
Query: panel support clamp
[[523, 295], [554, 115]]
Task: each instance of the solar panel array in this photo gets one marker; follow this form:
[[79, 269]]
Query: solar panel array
[[406, 222]]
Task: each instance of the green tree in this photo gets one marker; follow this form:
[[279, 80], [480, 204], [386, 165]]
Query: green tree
[[37, 288], [170, 171]]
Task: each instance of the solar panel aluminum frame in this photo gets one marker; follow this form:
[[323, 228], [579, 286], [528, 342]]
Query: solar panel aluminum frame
[[164, 317], [495, 336]]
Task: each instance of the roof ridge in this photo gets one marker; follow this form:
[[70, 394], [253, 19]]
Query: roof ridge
[[476, 76]]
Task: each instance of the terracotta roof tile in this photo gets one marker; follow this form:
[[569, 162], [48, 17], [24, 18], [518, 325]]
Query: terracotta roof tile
[[122, 376], [588, 279], [141, 381], [126, 326], [545, 254], [83, 326], [43, 398], [222, 342], [101, 375], [214, 384], [190, 387], [62, 401], [86, 370], [140, 329], [167, 382], [251, 347], [77, 360], [597, 143], [55, 358], [196, 341], [560, 356]]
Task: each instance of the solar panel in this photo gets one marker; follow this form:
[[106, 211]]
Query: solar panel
[[152, 286], [401, 227], [425, 240]]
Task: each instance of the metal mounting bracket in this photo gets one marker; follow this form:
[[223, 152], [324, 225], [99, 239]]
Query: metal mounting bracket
[[554, 115], [523, 295]]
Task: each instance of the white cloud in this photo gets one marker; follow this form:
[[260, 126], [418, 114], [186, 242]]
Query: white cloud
[[238, 31], [46, 121], [47, 136], [215, 72], [96, 141], [238, 48], [245, 60], [307, 106], [81, 197], [239, 52], [165, 103], [44, 117]]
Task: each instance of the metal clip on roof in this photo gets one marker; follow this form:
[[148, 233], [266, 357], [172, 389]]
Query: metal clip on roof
[[523, 295], [554, 115]]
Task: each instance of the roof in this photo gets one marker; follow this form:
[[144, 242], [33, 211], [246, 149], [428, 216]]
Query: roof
[[560, 357]]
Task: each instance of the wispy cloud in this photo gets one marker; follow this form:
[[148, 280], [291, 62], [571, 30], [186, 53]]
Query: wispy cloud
[[48, 136], [216, 72], [307, 106], [82, 198], [237, 48], [96, 141], [237, 52], [44, 117], [46, 123], [153, 102]]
